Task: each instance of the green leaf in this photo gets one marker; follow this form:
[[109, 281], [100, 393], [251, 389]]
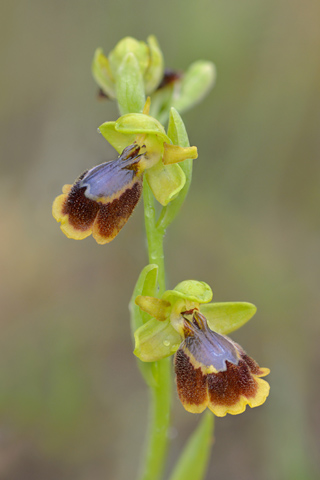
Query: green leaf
[[193, 462], [156, 340], [102, 73], [195, 85], [147, 285], [226, 317], [130, 86], [165, 181]]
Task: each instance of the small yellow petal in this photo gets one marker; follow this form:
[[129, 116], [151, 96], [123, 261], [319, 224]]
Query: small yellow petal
[[146, 108], [175, 154], [157, 308]]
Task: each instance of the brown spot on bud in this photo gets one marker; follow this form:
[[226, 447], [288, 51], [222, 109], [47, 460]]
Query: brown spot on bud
[[169, 77], [102, 95]]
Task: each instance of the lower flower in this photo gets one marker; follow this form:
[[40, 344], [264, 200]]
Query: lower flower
[[213, 371]]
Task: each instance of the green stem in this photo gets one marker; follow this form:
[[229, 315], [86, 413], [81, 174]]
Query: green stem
[[159, 416], [154, 235]]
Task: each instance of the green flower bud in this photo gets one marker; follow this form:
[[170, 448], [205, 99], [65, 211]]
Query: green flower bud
[[132, 70], [129, 45], [154, 72], [102, 74], [129, 85], [195, 85]]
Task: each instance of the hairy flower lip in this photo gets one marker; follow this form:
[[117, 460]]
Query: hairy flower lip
[[213, 371], [102, 199], [228, 391]]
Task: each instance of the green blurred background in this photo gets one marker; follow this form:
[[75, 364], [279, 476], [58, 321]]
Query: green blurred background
[[72, 403]]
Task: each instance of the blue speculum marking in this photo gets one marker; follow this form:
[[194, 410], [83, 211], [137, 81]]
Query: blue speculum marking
[[211, 348], [109, 178]]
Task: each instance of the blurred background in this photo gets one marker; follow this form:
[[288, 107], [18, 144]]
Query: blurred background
[[72, 403]]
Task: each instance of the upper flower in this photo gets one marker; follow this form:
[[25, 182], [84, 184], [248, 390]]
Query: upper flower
[[102, 199], [211, 370], [166, 179]]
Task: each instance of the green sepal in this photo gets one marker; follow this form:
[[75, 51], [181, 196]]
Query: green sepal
[[129, 45], [102, 74], [178, 136], [191, 290], [130, 86], [176, 130], [147, 284], [165, 181], [195, 85], [156, 340], [118, 140], [154, 72], [194, 459], [229, 316], [140, 123]]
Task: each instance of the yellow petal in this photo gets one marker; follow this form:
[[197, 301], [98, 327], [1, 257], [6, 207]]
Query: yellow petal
[[157, 308], [175, 154]]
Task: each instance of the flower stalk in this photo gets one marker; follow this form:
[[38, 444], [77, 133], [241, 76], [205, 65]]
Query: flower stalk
[[212, 371], [160, 392]]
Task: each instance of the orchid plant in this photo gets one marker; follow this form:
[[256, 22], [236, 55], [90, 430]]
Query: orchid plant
[[212, 371]]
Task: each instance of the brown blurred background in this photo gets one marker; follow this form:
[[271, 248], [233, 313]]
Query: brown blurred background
[[72, 403]]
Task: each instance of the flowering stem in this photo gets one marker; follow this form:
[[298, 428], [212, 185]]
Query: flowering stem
[[154, 235], [160, 393]]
